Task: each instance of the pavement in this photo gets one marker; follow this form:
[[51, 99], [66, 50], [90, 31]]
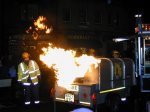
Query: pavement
[[44, 106], [51, 106], [13, 107]]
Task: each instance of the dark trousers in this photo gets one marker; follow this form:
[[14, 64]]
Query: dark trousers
[[31, 93]]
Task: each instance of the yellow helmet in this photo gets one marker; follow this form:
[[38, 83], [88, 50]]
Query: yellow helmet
[[115, 52], [25, 55]]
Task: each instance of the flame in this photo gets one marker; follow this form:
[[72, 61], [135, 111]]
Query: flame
[[39, 25], [66, 65]]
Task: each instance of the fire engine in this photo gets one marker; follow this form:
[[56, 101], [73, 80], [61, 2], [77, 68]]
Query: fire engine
[[113, 79], [142, 50]]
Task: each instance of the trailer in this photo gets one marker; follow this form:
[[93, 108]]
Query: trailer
[[109, 83]]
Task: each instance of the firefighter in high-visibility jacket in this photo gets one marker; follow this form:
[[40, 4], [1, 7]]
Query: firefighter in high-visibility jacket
[[28, 76]]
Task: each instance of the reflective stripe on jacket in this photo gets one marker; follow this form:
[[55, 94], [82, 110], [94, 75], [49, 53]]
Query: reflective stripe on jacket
[[32, 70]]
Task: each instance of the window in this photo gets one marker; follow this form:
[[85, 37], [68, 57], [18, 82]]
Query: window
[[32, 11], [23, 12], [67, 14], [97, 18], [29, 12], [109, 19], [116, 20], [83, 16]]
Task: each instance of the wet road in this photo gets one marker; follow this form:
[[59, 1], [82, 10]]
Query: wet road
[[42, 107], [51, 106]]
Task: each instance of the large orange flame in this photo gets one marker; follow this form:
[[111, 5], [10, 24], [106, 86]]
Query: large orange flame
[[39, 25], [67, 66]]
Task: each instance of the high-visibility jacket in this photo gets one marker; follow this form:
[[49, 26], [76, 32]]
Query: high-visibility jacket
[[28, 71]]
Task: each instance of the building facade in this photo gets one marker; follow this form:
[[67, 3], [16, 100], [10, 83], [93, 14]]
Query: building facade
[[76, 23]]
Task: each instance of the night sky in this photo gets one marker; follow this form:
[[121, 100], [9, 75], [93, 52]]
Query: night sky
[[139, 7]]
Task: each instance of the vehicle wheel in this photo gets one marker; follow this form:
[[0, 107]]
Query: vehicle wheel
[[103, 108], [113, 101]]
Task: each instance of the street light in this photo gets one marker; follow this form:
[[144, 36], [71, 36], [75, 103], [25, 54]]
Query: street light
[[120, 39]]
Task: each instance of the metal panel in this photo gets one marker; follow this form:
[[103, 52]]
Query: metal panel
[[106, 74], [119, 72]]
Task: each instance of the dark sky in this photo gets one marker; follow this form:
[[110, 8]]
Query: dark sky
[[141, 7]]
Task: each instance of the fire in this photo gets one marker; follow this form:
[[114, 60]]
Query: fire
[[39, 25], [66, 65]]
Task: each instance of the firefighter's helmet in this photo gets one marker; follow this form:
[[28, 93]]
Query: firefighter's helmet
[[116, 54], [25, 55]]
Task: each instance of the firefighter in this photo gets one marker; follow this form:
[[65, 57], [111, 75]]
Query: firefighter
[[116, 54], [28, 76]]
